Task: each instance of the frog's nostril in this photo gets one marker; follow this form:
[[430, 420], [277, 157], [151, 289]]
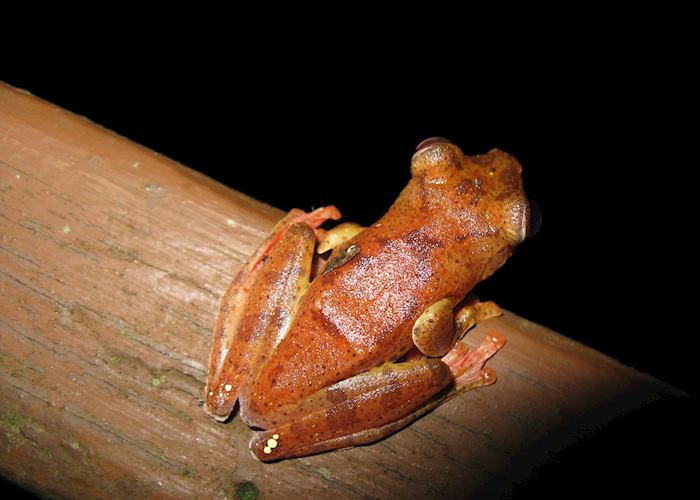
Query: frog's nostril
[[535, 220], [432, 140]]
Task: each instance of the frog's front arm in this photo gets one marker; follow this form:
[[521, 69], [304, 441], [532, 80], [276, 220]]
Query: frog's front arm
[[438, 328]]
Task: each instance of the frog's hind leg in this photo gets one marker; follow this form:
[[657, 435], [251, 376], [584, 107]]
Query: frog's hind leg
[[274, 277], [372, 405], [355, 411]]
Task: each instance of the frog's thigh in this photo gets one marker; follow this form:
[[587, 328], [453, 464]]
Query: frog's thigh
[[281, 279], [359, 410]]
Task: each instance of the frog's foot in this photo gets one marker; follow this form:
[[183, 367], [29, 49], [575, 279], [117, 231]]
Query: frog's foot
[[467, 365], [355, 411], [282, 264]]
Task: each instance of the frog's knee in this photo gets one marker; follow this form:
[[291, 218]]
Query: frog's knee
[[434, 331]]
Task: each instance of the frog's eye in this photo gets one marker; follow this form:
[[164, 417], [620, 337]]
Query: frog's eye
[[429, 154], [430, 141], [534, 219]]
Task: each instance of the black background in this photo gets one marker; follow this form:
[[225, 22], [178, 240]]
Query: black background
[[605, 138]]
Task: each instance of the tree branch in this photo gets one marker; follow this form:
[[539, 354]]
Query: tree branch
[[112, 262]]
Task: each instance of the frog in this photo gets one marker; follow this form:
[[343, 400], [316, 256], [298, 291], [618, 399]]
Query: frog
[[336, 338]]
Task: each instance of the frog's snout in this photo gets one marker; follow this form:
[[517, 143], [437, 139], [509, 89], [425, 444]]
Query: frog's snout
[[534, 219]]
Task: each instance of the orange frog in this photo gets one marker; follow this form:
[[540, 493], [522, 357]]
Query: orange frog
[[325, 354]]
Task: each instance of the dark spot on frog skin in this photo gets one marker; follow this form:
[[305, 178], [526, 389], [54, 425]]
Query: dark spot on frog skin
[[472, 188], [510, 176], [423, 194], [382, 241], [339, 416], [336, 395], [420, 241], [456, 160]]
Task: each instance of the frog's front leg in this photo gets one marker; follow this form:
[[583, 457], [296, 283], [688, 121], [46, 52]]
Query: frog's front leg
[[257, 307], [372, 405], [338, 235]]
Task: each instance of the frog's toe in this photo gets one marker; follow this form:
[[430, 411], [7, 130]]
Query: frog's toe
[[467, 365]]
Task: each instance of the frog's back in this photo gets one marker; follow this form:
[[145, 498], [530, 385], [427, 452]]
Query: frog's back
[[359, 315], [441, 236]]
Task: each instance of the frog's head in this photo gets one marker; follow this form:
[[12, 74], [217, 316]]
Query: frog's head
[[484, 191]]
